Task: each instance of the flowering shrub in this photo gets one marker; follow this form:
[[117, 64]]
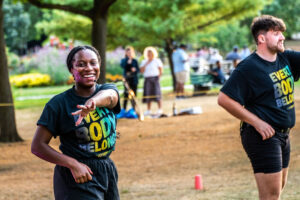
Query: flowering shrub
[[30, 80], [70, 80], [13, 61], [50, 61], [113, 78]]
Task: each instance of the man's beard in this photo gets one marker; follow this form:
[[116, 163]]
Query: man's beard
[[276, 48]]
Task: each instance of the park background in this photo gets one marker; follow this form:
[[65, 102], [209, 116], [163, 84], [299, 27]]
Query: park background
[[157, 158]]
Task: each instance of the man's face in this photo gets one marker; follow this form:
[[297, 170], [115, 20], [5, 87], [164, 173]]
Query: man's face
[[274, 41]]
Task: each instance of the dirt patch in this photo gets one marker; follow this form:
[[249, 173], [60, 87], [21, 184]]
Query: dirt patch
[[157, 158]]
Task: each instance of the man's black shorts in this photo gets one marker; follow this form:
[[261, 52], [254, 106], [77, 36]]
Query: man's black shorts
[[266, 156]]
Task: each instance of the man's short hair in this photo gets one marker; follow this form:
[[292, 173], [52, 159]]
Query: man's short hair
[[264, 24], [182, 46]]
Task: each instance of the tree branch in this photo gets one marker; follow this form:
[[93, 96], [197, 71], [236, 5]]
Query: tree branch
[[101, 6], [109, 3], [68, 8], [224, 17]]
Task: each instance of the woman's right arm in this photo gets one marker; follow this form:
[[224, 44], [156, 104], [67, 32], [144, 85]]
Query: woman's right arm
[[143, 66], [123, 63], [40, 147]]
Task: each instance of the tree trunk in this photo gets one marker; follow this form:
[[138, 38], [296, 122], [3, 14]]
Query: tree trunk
[[169, 49], [99, 32], [8, 129]]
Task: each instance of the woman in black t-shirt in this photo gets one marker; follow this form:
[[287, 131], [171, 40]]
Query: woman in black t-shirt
[[84, 119], [130, 72]]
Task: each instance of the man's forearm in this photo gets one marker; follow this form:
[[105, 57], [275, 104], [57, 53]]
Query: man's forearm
[[236, 109]]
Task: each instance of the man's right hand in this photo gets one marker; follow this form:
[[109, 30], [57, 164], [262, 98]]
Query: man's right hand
[[264, 129]]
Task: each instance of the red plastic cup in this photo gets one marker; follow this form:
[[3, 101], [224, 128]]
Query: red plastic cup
[[198, 182]]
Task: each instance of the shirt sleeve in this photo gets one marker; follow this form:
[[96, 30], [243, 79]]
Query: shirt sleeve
[[294, 59], [49, 119], [183, 57], [159, 63], [237, 88], [136, 65], [143, 63], [123, 63], [117, 108]]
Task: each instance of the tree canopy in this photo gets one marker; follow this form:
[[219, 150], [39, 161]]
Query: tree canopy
[[96, 10], [289, 11], [19, 24]]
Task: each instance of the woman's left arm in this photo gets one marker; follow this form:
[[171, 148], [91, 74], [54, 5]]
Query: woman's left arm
[[104, 98], [160, 67], [160, 71]]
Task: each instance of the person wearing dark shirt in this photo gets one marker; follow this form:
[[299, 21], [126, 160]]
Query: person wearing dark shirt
[[130, 72], [233, 55], [260, 92], [217, 73], [84, 119]]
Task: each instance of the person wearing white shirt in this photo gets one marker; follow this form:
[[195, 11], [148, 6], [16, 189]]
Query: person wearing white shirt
[[152, 69]]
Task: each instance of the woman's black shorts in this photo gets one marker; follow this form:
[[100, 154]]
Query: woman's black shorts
[[103, 186], [266, 156]]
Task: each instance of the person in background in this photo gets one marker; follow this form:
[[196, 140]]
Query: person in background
[[214, 56], [217, 73], [233, 55], [260, 93], [130, 72], [84, 119], [234, 65], [181, 69], [152, 69], [245, 52]]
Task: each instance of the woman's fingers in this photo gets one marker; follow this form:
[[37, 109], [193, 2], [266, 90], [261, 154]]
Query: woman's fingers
[[84, 111], [78, 120], [84, 179], [78, 112]]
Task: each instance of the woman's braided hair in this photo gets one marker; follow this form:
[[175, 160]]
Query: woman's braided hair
[[72, 53]]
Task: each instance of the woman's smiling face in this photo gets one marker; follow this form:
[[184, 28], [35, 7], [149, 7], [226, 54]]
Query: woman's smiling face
[[86, 68]]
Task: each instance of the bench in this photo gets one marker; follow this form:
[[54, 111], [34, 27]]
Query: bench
[[201, 82]]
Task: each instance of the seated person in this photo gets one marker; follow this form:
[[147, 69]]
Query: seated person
[[217, 74]]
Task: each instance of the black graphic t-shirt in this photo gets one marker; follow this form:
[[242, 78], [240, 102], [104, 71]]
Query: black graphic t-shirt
[[266, 88], [94, 137]]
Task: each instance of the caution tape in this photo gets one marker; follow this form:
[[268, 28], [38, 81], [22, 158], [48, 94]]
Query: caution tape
[[6, 104], [172, 95]]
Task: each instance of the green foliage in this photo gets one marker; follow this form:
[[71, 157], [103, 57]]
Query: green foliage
[[68, 25], [113, 68], [19, 22], [65, 25], [223, 37], [35, 16], [289, 11], [16, 23], [13, 61], [152, 22]]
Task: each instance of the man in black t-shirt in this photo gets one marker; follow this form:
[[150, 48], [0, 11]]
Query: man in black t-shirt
[[260, 92]]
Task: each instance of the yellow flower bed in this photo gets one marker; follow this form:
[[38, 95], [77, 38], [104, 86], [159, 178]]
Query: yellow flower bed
[[113, 78], [30, 80]]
